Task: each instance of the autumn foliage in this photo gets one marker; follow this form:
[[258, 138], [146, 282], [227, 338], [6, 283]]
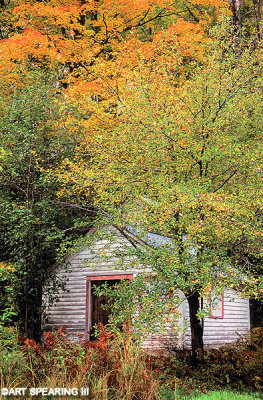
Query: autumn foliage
[[160, 101], [94, 44]]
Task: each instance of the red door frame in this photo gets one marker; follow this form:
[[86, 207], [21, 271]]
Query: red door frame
[[90, 279]]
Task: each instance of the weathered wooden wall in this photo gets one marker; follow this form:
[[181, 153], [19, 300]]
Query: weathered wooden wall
[[70, 310], [218, 331]]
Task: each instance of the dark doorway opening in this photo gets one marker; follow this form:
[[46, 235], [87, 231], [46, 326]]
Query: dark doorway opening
[[100, 306], [96, 312]]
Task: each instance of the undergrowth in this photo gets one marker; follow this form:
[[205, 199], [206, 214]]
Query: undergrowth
[[115, 368], [224, 395], [112, 368]]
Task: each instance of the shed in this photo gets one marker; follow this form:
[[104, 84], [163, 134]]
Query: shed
[[79, 309]]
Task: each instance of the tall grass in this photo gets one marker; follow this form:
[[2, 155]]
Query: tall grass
[[115, 368]]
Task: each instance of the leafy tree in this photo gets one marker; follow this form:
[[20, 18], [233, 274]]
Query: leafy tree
[[247, 19], [184, 161], [88, 42], [33, 222], [7, 18], [161, 141]]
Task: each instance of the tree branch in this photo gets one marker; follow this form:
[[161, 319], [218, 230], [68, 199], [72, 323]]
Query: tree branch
[[228, 179]]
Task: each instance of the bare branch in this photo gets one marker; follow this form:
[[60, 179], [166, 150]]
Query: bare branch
[[228, 179]]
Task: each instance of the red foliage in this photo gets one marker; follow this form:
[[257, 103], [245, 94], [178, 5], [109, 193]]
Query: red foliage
[[102, 342]]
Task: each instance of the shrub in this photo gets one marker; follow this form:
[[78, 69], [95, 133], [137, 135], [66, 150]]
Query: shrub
[[238, 366], [7, 307], [12, 359]]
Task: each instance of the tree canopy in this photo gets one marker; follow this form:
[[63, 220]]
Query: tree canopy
[[33, 221], [184, 161], [147, 113]]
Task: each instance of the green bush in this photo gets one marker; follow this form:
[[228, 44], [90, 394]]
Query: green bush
[[12, 358], [224, 395], [236, 366], [239, 365], [7, 281]]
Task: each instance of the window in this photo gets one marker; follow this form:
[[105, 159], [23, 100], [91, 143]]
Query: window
[[95, 313]]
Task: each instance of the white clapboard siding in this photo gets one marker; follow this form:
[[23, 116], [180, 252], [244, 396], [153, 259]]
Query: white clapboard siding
[[70, 309], [219, 331]]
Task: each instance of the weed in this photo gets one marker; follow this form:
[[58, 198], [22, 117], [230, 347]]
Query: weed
[[115, 368]]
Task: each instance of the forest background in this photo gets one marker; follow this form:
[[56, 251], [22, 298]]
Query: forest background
[[144, 112]]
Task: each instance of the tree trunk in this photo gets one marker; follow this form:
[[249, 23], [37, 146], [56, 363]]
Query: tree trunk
[[29, 315], [236, 15], [196, 326], [259, 19]]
